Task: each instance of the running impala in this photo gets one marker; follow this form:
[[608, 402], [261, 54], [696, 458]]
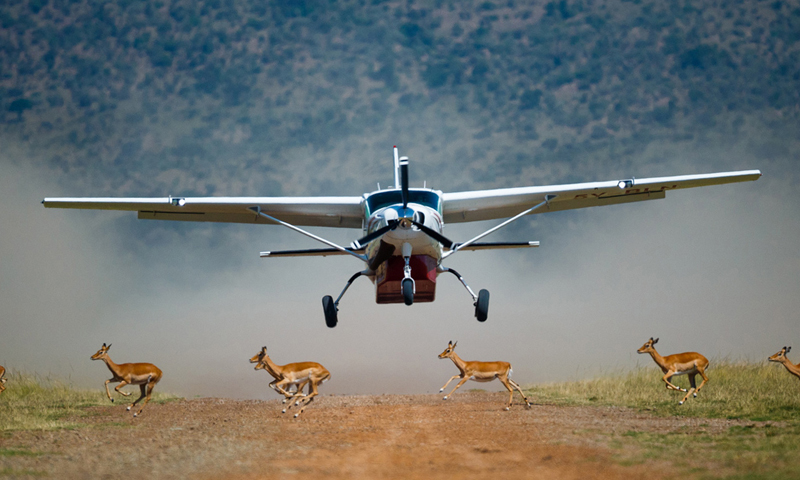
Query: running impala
[[688, 363], [2, 380], [481, 372], [146, 375], [780, 357], [257, 359], [293, 374]]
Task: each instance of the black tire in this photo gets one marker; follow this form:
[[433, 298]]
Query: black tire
[[331, 315], [408, 291], [482, 306]]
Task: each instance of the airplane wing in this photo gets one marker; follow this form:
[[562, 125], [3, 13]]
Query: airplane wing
[[325, 252], [343, 212], [506, 202]]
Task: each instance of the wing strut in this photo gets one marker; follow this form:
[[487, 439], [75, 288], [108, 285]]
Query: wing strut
[[461, 246], [258, 211]]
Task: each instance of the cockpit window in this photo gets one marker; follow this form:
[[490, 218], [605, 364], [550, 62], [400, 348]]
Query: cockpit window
[[382, 199]]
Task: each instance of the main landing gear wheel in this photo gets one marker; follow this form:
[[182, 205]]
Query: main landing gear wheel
[[331, 315], [408, 291], [482, 306]]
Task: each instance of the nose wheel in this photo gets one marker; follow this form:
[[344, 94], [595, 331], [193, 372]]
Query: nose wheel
[[408, 291]]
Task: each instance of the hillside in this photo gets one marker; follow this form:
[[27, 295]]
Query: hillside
[[245, 97]]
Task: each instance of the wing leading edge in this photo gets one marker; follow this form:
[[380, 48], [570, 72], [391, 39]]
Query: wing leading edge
[[343, 212], [506, 202], [348, 212]]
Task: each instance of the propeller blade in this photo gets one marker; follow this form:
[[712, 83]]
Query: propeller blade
[[361, 242], [446, 242], [404, 180]]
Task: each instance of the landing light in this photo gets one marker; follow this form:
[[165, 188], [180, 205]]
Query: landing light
[[178, 202], [623, 184]]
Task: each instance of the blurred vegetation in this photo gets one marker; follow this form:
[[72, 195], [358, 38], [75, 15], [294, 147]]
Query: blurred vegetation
[[35, 402], [196, 97], [756, 392]]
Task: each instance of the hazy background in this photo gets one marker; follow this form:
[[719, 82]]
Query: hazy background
[[144, 100]]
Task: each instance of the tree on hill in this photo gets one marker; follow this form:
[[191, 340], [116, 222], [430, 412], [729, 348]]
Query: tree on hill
[[19, 106]]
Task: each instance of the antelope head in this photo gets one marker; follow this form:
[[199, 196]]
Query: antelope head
[[102, 353], [648, 346], [258, 359], [258, 356], [448, 352], [780, 357]]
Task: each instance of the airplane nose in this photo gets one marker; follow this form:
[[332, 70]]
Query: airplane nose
[[390, 215]]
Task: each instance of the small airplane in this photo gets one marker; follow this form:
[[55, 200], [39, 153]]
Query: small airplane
[[402, 245]]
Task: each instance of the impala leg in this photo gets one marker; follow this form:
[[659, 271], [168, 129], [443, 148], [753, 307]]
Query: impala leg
[[448, 383], [670, 386], [504, 381], [107, 392], [516, 385], [142, 389], [310, 397], [462, 382], [702, 372], [279, 387], [122, 383], [286, 394], [150, 387], [299, 393], [692, 389]]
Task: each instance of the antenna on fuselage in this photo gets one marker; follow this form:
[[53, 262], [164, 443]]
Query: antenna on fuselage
[[396, 168]]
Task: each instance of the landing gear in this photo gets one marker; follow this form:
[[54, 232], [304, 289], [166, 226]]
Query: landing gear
[[331, 307], [482, 306], [481, 300], [408, 282], [408, 291], [331, 314]]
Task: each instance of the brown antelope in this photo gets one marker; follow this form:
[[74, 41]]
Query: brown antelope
[[780, 357], [299, 374], [2, 380], [688, 363], [481, 372], [288, 394], [146, 375]]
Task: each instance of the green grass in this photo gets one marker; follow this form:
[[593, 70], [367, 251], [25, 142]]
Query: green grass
[[762, 393], [740, 390], [35, 402]]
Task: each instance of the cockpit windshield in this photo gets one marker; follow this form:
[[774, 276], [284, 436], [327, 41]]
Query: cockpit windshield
[[378, 200]]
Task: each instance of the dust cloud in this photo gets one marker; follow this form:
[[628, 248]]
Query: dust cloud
[[713, 270]]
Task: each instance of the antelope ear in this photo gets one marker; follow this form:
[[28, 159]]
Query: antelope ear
[[109, 346], [454, 345], [788, 349], [655, 341]]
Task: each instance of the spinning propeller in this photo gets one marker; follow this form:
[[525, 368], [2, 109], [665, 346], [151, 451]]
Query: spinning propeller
[[407, 216]]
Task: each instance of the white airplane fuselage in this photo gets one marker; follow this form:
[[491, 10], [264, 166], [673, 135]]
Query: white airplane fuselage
[[385, 254]]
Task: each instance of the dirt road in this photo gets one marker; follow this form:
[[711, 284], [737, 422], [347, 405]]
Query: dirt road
[[384, 436]]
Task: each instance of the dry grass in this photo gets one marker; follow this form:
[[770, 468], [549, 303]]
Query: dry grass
[[36, 402], [754, 391], [759, 392]]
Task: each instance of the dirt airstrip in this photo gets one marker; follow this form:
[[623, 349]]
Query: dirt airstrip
[[377, 436]]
